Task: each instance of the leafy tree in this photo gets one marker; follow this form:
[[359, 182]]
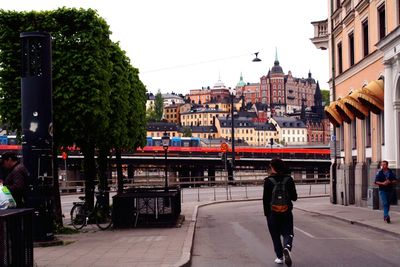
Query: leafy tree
[[187, 132], [325, 97], [95, 90], [158, 106]]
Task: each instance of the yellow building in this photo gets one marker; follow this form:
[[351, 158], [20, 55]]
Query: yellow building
[[363, 40], [201, 117]]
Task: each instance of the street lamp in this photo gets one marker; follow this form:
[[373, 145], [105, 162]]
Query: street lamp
[[232, 96], [165, 143]]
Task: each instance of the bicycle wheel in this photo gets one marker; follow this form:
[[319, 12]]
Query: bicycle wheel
[[103, 217], [78, 216]]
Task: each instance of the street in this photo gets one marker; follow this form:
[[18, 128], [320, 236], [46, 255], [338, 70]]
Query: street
[[236, 234]]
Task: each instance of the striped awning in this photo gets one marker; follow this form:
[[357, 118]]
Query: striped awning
[[355, 107], [357, 104], [372, 96], [333, 115], [343, 111]]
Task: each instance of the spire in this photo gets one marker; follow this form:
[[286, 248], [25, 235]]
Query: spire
[[318, 101], [276, 54]]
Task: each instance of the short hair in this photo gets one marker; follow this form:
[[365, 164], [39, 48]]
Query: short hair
[[9, 155], [278, 165]]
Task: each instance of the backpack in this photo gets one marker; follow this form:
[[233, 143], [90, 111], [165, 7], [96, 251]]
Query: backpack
[[280, 199]]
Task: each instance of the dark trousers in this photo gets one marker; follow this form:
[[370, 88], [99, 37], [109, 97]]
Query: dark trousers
[[281, 224]]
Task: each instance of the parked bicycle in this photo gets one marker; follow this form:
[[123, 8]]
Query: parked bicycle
[[101, 213]]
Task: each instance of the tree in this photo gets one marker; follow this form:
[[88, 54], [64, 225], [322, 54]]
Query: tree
[[325, 97], [158, 106], [187, 132], [95, 90]]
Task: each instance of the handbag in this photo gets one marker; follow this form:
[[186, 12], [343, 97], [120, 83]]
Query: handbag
[[6, 199]]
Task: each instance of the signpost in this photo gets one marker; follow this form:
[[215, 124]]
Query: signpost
[[224, 147]]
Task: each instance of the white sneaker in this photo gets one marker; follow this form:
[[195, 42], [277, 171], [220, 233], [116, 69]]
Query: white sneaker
[[279, 261], [286, 256]]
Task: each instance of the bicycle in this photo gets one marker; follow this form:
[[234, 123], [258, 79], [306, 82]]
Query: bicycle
[[101, 213]]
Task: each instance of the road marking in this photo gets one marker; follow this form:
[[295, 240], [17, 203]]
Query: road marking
[[304, 232]]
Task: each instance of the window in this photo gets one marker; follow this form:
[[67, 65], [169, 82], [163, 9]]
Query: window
[[382, 126], [382, 21], [351, 49], [339, 55], [337, 4], [354, 134], [341, 130], [368, 131]]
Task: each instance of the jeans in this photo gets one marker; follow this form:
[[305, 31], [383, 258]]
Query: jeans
[[281, 225], [385, 197]]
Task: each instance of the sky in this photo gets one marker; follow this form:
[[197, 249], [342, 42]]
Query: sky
[[179, 45]]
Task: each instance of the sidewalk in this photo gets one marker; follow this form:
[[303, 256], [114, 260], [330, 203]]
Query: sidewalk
[[172, 246]]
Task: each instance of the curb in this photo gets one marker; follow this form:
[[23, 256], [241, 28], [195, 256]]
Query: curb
[[351, 222], [186, 257]]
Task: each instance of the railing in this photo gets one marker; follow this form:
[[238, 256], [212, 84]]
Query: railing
[[219, 180]]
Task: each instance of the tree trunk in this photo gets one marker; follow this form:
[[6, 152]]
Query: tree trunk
[[102, 161], [120, 178], [89, 167]]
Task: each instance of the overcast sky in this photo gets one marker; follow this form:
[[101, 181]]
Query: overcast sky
[[179, 45]]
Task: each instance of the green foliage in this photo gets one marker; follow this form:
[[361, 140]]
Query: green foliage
[[96, 92], [158, 106], [325, 97], [187, 132]]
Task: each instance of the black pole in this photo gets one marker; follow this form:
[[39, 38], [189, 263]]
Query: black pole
[[166, 169], [233, 136], [37, 129]]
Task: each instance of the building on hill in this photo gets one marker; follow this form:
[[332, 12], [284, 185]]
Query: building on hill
[[157, 129], [284, 93], [290, 130]]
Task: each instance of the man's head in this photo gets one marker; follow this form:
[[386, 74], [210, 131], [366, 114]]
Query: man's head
[[8, 160], [278, 166], [384, 164]]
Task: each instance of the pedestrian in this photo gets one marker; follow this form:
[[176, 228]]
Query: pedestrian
[[386, 180], [17, 177], [279, 192]]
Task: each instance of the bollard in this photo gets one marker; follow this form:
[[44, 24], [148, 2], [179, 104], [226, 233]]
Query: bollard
[[245, 186], [198, 194], [182, 195], [309, 193], [215, 196]]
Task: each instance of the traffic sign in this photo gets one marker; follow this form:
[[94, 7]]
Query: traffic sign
[[224, 147]]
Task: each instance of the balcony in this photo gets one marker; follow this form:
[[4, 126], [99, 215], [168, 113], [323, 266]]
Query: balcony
[[321, 34]]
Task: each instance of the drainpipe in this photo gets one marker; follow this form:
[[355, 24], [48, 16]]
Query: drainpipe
[[334, 165]]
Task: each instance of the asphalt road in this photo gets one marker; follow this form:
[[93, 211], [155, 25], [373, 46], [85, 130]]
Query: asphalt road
[[236, 234]]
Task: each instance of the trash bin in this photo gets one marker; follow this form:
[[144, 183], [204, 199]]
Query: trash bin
[[373, 198], [16, 243]]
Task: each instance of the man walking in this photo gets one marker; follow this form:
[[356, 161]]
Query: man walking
[[279, 192], [386, 180], [16, 179]]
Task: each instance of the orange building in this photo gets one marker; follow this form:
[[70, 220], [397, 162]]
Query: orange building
[[363, 40]]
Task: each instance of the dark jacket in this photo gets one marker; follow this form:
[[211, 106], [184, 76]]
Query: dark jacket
[[269, 186], [382, 176], [16, 182]]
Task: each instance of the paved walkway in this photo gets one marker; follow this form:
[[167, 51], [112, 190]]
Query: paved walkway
[[172, 246]]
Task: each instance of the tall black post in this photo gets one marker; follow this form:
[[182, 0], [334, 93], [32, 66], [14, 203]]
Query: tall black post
[[37, 129], [233, 136], [166, 169]]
